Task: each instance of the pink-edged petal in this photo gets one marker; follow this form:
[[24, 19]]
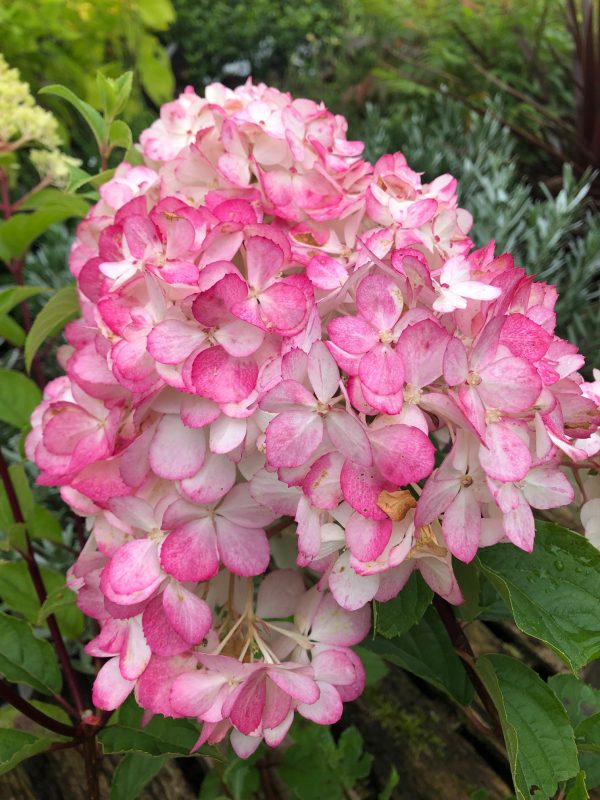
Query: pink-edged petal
[[456, 364], [190, 552], [379, 300], [159, 633], [244, 551], [196, 412], [283, 307], [212, 482], [135, 569], [292, 437], [239, 338], [403, 454], [462, 525], [176, 451], [511, 384], [111, 689], [381, 370], [264, 259], [439, 576], [435, 498], [223, 378], [519, 526], [351, 591], [193, 693], [189, 615], [136, 655], [295, 683], [421, 347], [361, 487], [352, 334], [327, 709], [322, 481], [506, 457], [279, 593], [336, 626], [367, 538], [287, 395], [547, 487], [349, 436], [323, 373], [245, 746], [226, 433], [240, 507]]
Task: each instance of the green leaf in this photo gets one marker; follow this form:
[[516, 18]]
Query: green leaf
[[354, 764], [587, 734], [114, 93], [554, 592], [242, 779], [62, 597], [577, 790], [468, 577], [71, 205], [26, 659], [391, 783], [539, 738], [154, 69], [156, 14], [19, 232], [579, 699], [18, 592], [161, 737], [60, 309], [16, 746], [399, 615], [119, 134], [133, 772], [426, 650], [19, 395], [79, 178], [11, 331], [90, 115], [42, 524], [11, 296]]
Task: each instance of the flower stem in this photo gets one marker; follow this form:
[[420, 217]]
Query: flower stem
[[11, 696]]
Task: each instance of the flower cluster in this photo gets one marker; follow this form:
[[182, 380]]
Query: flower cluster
[[276, 333], [22, 123]]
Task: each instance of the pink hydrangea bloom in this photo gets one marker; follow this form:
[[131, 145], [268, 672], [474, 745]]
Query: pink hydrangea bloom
[[272, 327]]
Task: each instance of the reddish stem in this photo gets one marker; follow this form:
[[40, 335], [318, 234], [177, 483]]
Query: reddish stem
[[4, 195], [11, 696], [38, 583]]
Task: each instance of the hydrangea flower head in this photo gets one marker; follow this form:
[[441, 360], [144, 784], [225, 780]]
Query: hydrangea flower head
[[278, 343]]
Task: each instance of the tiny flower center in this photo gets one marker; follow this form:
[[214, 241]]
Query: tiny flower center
[[412, 395], [493, 415], [385, 337], [322, 408], [473, 378], [467, 481]]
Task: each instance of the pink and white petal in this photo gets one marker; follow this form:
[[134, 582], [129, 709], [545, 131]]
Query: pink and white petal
[[379, 301], [193, 693], [455, 364], [212, 482], [476, 290], [322, 481], [240, 507], [547, 487], [367, 538], [519, 526], [349, 436], [352, 334], [136, 654], [422, 347], [134, 569], [197, 412], [506, 457], [190, 552], [462, 525], [327, 709], [287, 395], [134, 512], [440, 578], [226, 433], [279, 593], [111, 689], [223, 378], [273, 736], [403, 454], [381, 370], [511, 384], [295, 682], [264, 259], [351, 591], [244, 551], [188, 614], [244, 746], [323, 372], [160, 635], [176, 451], [334, 625], [292, 437], [239, 338], [283, 307], [361, 487]]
